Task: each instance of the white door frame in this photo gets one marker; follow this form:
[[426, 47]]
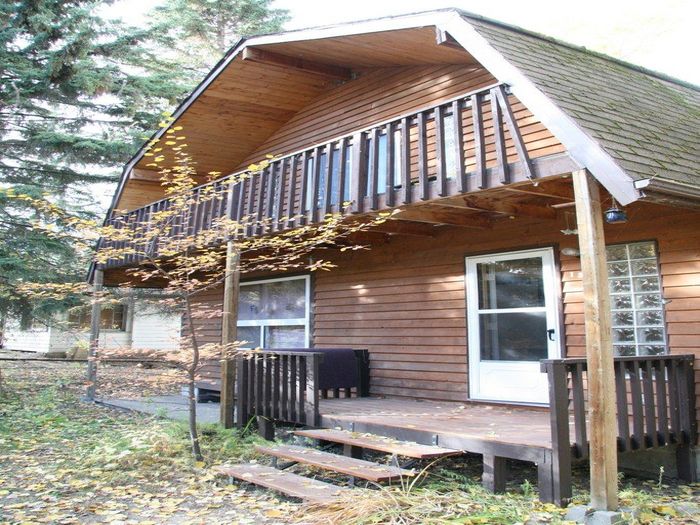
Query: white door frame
[[552, 309]]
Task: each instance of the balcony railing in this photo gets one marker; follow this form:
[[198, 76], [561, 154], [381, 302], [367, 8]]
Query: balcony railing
[[420, 156]]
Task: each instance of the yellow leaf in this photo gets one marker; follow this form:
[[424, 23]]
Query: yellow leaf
[[274, 513], [199, 464]]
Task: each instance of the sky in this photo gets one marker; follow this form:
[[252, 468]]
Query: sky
[[662, 36]]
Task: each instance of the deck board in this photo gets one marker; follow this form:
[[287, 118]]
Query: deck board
[[511, 425]]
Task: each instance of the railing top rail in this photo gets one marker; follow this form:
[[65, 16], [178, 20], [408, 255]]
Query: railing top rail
[[664, 357], [222, 180], [253, 353]]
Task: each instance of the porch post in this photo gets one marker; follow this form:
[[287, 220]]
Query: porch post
[[95, 314], [599, 350], [229, 333]]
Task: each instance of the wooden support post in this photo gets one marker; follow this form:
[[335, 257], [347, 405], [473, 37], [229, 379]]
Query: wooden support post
[[229, 334], [494, 477], [95, 315], [599, 350]]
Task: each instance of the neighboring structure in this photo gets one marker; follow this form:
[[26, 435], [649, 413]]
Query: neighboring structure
[[502, 148], [133, 325]]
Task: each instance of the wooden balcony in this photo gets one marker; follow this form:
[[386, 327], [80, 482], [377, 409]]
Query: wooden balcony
[[418, 157]]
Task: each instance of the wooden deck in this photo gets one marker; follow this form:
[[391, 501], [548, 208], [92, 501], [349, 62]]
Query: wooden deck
[[446, 424]]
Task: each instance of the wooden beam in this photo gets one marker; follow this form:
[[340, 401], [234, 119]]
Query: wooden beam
[[464, 220], [229, 334], [254, 54], [541, 191], [515, 210], [400, 227], [95, 314], [443, 38], [599, 349]]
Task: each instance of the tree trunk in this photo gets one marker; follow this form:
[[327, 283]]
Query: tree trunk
[[191, 374]]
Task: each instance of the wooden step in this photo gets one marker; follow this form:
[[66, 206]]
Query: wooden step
[[379, 443], [342, 464], [287, 483]]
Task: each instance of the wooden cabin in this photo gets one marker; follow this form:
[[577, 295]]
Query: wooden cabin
[[505, 152]]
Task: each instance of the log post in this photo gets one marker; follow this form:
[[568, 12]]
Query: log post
[[95, 317], [599, 349], [229, 333]]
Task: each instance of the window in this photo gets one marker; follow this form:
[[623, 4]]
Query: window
[[636, 301], [274, 313], [112, 317]]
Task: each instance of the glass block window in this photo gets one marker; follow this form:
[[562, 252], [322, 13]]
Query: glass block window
[[637, 305], [274, 313]]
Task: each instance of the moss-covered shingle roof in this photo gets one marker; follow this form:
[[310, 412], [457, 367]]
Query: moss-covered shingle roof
[[648, 123]]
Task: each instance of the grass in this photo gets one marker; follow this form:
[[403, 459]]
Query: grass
[[64, 461]]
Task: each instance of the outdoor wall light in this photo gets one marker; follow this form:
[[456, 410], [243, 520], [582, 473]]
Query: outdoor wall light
[[615, 215]]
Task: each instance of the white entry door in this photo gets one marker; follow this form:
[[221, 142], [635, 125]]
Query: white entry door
[[513, 322]]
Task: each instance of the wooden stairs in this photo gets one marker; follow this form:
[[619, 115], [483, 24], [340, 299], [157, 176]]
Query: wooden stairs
[[350, 463]]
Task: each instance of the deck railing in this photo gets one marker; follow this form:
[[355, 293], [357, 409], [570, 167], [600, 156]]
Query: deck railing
[[286, 386], [419, 156], [655, 399]]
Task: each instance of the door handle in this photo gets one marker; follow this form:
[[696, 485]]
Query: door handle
[[550, 334]]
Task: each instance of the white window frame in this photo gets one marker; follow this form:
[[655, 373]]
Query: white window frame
[[262, 323]]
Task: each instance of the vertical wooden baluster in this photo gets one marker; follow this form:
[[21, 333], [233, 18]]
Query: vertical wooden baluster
[[240, 206], [405, 156], [304, 190], [273, 175], [263, 177], [637, 408], [292, 182], [390, 163], [660, 379], [458, 137], [293, 378], [251, 386], [358, 180], [327, 181], [479, 142], [259, 382], [686, 401], [674, 393], [623, 421], [373, 167], [284, 381], [315, 185], [579, 405], [342, 172], [250, 203], [280, 186], [440, 152], [276, 386], [499, 138], [423, 157], [241, 392], [269, 386], [301, 369], [649, 405]]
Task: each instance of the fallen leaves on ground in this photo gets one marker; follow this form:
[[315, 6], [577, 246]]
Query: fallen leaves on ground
[[68, 462]]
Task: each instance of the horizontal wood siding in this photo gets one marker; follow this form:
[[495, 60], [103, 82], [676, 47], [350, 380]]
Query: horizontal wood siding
[[381, 94], [405, 300]]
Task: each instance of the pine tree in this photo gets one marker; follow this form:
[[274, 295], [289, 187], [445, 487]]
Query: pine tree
[[202, 31], [76, 94]]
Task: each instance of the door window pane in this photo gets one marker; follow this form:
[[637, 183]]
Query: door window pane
[[515, 283], [513, 336]]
